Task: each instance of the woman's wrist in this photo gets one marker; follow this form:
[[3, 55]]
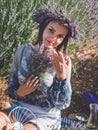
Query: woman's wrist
[[18, 94], [61, 77]]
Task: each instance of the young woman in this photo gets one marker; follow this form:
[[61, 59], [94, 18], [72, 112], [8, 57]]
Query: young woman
[[48, 93]]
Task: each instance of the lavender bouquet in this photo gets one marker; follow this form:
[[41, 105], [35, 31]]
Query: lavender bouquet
[[39, 63]]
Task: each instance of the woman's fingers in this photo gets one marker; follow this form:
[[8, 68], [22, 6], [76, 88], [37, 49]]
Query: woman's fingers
[[34, 82], [57, 56], [33, 88], [30, 85], [59, 64]]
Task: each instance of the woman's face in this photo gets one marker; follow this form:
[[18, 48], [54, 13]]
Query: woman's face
[[53, 35]]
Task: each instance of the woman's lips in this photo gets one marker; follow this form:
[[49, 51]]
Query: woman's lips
[[49, 42]]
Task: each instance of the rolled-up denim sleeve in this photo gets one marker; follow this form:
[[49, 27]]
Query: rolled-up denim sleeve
[[60, 92], [13, 86]]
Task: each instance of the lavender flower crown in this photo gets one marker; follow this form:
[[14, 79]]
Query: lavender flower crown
[[46, 13]]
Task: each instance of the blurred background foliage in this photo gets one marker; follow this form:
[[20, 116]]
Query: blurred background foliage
[[16, 26]]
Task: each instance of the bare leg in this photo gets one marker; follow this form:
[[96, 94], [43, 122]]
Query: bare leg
[[30, 126], [4, 122], [6, 125]]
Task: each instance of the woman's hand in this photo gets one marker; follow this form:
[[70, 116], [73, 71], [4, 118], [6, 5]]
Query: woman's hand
[[60, 64], [30, 86]]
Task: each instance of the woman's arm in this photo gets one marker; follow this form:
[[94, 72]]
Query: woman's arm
[[13, 76], [60, 91], [13, 87], [21, 81]]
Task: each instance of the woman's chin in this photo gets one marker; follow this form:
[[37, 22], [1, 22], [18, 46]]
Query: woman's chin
[[49, 48]]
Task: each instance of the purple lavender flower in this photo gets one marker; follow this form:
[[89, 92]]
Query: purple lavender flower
[[40, 63]]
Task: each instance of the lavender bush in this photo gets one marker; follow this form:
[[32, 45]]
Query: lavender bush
[[16, 25], [15, 28]]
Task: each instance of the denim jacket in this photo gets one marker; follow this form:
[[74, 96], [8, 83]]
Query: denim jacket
[[51, 91]]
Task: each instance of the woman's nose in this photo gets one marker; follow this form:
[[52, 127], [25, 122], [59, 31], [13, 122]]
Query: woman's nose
[[54, 38]]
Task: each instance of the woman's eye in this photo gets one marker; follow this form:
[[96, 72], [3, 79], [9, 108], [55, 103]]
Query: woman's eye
[[60, 36], [51, 30]]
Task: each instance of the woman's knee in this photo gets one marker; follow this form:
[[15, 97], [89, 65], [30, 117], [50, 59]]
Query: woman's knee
[[4, 121], [30, 126]]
